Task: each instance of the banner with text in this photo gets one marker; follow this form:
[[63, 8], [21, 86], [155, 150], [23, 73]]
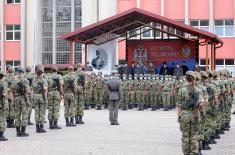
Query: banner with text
[[171, 51]]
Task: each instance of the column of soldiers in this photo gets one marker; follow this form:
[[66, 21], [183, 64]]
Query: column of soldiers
[[204, 106]]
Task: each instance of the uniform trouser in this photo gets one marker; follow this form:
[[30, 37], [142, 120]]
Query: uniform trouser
[[125, 99], [146, 98], [139, 100], [98, 96], [21, 111], [10, 110], [132, 97], [54, 105], [208, 126], [3, 111], [153, 98], [79, 109], [227, 114], [40, 108], [87, 97], [190, 129], [30, 105], [201, 129], [113, 110], [69, 105], [166, 99]]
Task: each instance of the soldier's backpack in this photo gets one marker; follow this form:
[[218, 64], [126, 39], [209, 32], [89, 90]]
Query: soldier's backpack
[[30, 81], [40, 87], [70, 83], [21, 88], [55, 84], [1, 91]]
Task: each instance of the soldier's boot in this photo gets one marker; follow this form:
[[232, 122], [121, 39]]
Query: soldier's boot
[[80, 121], [23, 133], [98, 107], [145, 106], [8, 123], [157, 106], [222, 131], [206, 145], [37, 128], [41, 127], [11, 123], [29, 122], [130, 106], [2, 138], [154, 108], [18, 133], [51, 126], [139, 107], [106, 106], [212, 140], [226, 127], [200, 150], [67, 121], [72, 121], [86, 106], [233, 113], [216, 135], [56, 126], [135, 105], [166, 108], [76, 119]]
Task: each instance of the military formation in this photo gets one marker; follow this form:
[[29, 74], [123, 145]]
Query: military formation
[[204, 104], [203, 100]]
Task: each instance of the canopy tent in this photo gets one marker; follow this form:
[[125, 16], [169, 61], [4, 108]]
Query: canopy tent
[[121, 25]]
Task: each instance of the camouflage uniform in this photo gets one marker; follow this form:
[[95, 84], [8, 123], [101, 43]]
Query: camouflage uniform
[[189, 116], [146, 91], [154, 93], [10, 107], [40, 87], [20, 88], [30, 77], [125, 94], [140, 86], [3, 106], [70, 84], [166, 93], [55, 82], [99, 92]]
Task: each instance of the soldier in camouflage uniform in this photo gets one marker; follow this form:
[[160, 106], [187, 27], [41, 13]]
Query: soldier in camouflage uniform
[[70, 88], [92, 85], [166, 93], [125, 95], [99, 92], [20, 88], [140, 85], [189, 103], [146, 91], [10, 107], [30, 77], [79, 112], [55, 84], [132, 92], [3, 105], [105, 99], [40, 88]]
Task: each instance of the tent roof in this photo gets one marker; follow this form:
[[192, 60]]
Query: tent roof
[[120, 24]]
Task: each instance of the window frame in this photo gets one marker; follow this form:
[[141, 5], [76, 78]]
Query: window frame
[[224, 26], [13, 2], [14, 31]]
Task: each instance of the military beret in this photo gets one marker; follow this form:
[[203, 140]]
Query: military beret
[[2, 73], [54, 68], [216, 73], [204, 74], [11, 69], [210, 73], [198, 75], [191, 73]]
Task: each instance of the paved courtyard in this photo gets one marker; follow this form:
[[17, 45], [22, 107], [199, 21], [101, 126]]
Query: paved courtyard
[[140, 133]]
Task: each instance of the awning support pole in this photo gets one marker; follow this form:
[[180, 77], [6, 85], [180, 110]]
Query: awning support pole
[[71, 43], [85, 53], [206, 55]]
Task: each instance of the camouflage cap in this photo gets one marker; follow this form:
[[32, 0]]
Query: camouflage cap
[[11, 69], [210, 73], [191, 73], [197, 75], [70, 68], [2, 73], [54, 68], [105, 75], [28, 69], [221, 72], [216, 73], [204, 74]]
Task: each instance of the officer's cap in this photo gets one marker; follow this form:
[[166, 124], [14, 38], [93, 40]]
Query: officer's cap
[[204, 74], [191, 73]]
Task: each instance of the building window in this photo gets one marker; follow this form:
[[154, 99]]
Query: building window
[[229, 61], [12, 32], [13, 63], [147, 32], [13, 1], [219, 61], [200, 24], [203, 62], [224, 28]]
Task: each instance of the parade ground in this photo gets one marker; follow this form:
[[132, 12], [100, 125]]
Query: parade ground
[[140, 133]]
